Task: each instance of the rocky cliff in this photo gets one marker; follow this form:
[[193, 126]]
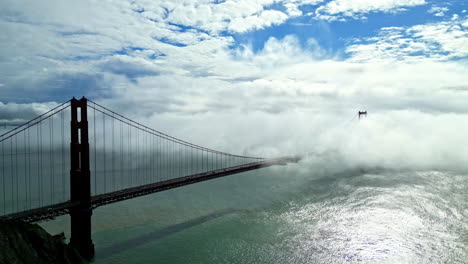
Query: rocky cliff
[[29, 243]]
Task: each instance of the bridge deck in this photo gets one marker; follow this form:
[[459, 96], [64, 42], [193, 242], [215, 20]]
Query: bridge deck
[[50, 212]]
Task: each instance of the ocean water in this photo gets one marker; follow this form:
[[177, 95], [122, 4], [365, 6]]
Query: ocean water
[[299, 213]]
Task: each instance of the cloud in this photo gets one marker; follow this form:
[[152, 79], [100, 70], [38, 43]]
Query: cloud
[[255, 22], [129, 66], [292, 9], [436, 41], [305, 104], [342, 9], [16, 114], [234, 16], [176, 67], [438, 11]]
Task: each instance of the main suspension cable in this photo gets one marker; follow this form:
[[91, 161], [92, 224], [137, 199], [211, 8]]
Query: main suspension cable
[[166, 136]]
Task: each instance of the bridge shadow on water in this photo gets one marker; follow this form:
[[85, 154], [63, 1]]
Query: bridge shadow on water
[[159, 234]]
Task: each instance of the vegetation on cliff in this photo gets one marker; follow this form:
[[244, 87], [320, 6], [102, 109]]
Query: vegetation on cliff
[[29, 243]]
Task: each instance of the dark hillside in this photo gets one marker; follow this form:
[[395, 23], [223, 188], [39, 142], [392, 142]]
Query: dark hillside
[[29, 243]]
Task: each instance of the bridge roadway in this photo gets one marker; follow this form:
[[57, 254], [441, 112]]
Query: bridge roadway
[[52, 211]]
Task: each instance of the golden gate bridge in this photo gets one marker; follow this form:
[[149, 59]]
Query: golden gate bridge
[[81, 155]]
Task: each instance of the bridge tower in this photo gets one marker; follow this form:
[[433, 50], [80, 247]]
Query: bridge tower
[[80, 182]]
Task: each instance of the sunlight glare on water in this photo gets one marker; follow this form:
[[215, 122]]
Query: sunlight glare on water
[[275, 216]]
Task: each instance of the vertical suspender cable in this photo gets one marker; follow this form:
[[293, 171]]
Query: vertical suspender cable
[[121, 155], [178, 163], [104, 150], [137, 156], [161, 158], [51, 180], [148, 158], [174, 160], [25, 186], [170, 160], [130, 156], [38, 164], [160, 161], [112, 155], [158, 158], [137, 178], [41, 166], [29, 170], [166, 160], [62, 132], [94, 175], [143, 158], [3, 176], [151, 159], [16, 174], [12, 174], [181, 161]]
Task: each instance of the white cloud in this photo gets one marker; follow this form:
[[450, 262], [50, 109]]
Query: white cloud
[[186, 80], [236, 16], [438, 11], [264, 19], [14, 113], [436, 41], [341, 9], [292, 9]]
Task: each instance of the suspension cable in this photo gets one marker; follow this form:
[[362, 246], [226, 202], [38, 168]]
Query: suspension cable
[[166, 136], [51, 110], [45, 115]]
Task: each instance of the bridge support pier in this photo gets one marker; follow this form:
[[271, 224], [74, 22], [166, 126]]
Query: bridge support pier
[[81, 232], [80, 181]]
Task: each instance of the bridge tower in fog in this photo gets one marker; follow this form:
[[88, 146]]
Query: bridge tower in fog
[[362, 113]]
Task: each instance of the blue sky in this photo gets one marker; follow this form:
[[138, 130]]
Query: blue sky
[[335, 35], [301, 66]]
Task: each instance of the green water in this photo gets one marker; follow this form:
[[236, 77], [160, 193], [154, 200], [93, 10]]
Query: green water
[[292, 214]]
